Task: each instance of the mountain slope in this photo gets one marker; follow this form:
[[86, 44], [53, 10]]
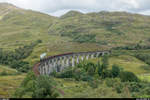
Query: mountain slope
[[115, 28], [72, 32], [19, 26], [5, 8]]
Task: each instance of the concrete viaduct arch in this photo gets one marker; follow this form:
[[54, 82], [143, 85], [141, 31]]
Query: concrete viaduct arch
[[60, 62]]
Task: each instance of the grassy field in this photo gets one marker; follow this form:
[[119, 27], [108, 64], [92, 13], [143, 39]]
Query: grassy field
[[145, 77], [129, 63], [7, 69], [78, 89], [9, 83]]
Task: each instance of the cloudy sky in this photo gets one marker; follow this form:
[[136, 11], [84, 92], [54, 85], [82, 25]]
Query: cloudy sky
[[59, 7]]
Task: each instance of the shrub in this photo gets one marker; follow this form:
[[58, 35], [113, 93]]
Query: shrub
[[68, 73], [145, 67], [134, 86], [37, 87], [91, 71], [100, 70], [115, 71], [85, 77], [109, 82], [30, 76], [128, 76], [103, 72], [45, 88], [115, 83], [24, 68], [143, 57], [39, 41], [54, 73], [107, 73], [105, 61], [93, 84], [77, 74]]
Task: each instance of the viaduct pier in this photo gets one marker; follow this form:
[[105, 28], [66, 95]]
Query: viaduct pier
[[59, 62]]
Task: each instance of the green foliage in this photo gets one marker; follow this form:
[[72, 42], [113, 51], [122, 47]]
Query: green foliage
[[30, 76], [105, 61], [135, 86], [78, 73], [115, 71], [39, 41], [67, 73], [128, 76], [45, 88], [37, 87], [115, 83], [15, 59], [139, 89], [136, 89], [94, 84], [54, 73], [143, 57], [90, 68], [86, 77], [146, 67], [83, 71], [102, 69]]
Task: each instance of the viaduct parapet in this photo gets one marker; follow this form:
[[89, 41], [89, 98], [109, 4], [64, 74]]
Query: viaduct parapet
[[59, 62]]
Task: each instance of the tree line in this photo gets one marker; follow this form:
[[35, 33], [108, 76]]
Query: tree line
[[15, 58]]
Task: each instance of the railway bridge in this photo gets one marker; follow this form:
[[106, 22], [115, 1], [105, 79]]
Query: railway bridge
[[59, 62]]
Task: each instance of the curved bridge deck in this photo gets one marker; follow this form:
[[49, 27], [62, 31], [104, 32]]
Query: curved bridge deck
[[60, 62]]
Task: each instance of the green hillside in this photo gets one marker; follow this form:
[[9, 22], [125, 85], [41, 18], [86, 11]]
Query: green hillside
[[111, 28], [72, 32], [10, 80]]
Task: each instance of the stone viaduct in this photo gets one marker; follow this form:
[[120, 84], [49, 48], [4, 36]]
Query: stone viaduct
[[59, 62]]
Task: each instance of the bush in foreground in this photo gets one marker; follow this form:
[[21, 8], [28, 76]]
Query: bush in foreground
[[128, 76], [37, 87]]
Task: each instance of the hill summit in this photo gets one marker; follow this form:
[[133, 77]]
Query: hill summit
[[72, 13]]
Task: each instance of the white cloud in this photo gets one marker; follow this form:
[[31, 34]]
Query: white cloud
[[59, 7]]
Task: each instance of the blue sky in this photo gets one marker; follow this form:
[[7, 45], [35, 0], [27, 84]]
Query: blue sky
[[60, 7]]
